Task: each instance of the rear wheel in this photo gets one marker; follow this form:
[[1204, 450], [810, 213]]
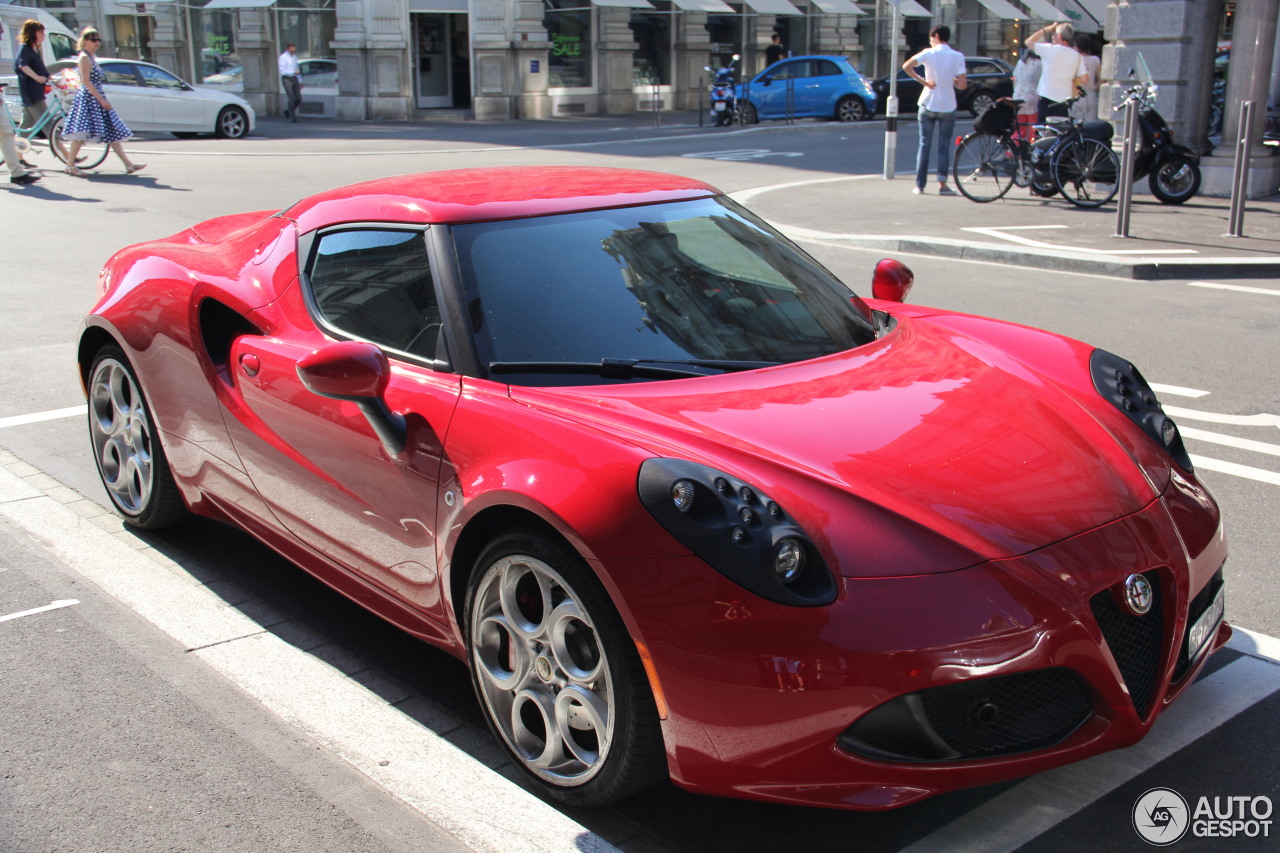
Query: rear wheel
[[981, 102], [851, 108], [1175, 181], [985, 166], [131, 463], [1086, 172], [91, 153], [557, 675], [233, 123]]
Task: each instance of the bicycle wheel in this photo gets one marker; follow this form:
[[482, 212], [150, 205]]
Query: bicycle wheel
[[1086, 171], [984, 167], [91, 153]]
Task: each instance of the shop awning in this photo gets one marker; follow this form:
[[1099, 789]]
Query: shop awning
[[702, 5], [1003, 10], [838, 7], [627, 4], [912, 9], [1092, 15], [1043, 10], [773, 7], [239, 4]]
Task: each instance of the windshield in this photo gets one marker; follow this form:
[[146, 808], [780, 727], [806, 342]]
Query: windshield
[[1140, 68], [687, 283]]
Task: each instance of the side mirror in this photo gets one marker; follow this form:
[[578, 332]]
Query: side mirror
[[892, 281], [766, 80], [357, 372]]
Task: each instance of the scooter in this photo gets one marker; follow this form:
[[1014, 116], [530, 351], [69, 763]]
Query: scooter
[[1172, 170], [723, 102]]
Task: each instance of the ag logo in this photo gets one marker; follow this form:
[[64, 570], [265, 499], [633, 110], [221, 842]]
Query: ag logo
[[1161, 816]]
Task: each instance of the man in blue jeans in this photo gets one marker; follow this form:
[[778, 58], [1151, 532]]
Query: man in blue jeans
[[944, 73]]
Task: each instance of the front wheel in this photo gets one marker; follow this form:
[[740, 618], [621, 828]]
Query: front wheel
[[1175, 181], [558, 677], [851, 108], [746, 113], [233, 123], [985, 166], [91, 153], [1086, 172], [131, 462]]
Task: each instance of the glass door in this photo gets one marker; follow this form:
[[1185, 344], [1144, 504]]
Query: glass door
[[432, 65]]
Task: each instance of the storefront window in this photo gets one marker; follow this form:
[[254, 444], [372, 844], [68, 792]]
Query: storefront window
[[310, 24], [214, 34], [568, 24], [652, 31], [726, 38], [132, 35]]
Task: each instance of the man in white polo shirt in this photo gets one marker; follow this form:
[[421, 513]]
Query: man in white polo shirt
[[1063, 69], [944, 73]]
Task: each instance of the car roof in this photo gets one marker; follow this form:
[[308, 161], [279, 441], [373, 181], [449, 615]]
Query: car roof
[[500, 192]]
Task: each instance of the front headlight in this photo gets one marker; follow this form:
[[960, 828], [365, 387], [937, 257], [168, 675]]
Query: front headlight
[[1120, 382], [737, 530]]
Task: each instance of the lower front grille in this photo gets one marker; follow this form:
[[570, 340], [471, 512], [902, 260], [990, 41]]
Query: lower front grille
[[1135, 641], [978, 718]]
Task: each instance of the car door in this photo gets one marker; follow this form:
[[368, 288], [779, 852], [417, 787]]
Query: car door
[[125, 92], [818, 93], [174, 104], [316, 461], [771, 90]]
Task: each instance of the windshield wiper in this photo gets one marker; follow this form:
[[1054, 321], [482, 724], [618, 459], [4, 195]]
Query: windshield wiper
[[628, 367]]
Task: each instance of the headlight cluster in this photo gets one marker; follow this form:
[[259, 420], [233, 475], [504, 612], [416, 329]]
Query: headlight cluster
[[737, 530], [1120, 382]]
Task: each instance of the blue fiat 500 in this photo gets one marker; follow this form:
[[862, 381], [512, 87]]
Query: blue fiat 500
[[807, 87]]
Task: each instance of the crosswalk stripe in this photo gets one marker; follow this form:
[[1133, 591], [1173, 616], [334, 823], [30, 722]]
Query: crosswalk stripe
[[37, 417], [1236, 470], [1230, 441]]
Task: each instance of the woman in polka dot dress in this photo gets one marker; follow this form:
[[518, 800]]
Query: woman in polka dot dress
[[91, 116]]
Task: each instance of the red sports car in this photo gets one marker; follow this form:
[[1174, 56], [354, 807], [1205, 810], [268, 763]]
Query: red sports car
[[683, 502]]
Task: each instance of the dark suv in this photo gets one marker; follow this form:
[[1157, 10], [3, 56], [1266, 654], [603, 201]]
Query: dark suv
[[988, 79]]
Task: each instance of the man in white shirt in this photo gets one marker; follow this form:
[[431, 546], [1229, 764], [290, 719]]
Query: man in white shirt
[[1063, 69], [291, 77], [944, 73]]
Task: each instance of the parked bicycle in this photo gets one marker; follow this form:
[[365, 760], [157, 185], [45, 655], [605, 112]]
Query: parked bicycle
[[1069, 157], [48, 130]]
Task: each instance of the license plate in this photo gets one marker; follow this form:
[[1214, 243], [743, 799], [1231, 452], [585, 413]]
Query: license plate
[[1204, 627], [720, 105]]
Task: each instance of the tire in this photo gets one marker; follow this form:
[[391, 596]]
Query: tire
[[126, 448], [233, 123], [981, 101], [851, 108], [557, 675], [746, 113], [984, 166], [1086, 172], [91, 153], [1175, 181]]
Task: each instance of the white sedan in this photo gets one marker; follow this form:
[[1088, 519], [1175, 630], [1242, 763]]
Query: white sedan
[[149, 98]]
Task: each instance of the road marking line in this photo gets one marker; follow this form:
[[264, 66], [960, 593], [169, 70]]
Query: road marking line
[[999, 234], [37, 417], [1236, 287], [57, 605], [482, 808], [1177, 390], [1235, 470], [1230, 441], [1263, 419], [1025, 812]]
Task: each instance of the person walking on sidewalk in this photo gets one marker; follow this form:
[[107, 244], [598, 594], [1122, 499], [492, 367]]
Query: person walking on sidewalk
[[18, 173], [91, 115], [291, 78], [32, 78], [944, 73], [1026, 76], [1063, 69]]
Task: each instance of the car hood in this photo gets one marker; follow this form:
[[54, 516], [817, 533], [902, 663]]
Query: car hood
[[942, 434]]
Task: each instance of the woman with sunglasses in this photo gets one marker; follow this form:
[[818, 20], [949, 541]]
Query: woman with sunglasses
[[91, 115]]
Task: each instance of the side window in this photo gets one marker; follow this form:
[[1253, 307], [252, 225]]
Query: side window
[[119, 74], [982, 68], [376, 284], [792, 70], [826, 68], [157, 78]]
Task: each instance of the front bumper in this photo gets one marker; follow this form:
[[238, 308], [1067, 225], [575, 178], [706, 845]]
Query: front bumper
[[760, 694]]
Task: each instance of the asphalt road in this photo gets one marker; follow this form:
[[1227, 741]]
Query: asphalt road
[[1220, 741]]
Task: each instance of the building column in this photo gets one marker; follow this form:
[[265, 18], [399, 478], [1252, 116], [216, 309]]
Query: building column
[[837, 35], [169, 41], [616, 49], [372, 47], [1249, 79], [258, 57], [693, 52]]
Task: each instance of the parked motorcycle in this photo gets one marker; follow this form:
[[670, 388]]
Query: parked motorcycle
[[723, 102], [1172, 170]]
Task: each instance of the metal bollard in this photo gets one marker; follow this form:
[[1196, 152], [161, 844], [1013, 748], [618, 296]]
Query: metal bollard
[[1240, 178], [791, 100], [1127, 155], [702, 110]]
